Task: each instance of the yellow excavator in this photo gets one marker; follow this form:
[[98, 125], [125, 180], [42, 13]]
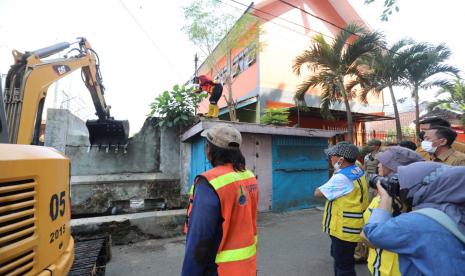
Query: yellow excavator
[[35, 213]]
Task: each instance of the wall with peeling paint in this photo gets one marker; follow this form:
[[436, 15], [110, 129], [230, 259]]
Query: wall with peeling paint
[[102, 180]]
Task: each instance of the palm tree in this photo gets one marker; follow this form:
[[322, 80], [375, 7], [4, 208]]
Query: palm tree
[[423, 63], [387, 69], [456, 100], [333, 64]]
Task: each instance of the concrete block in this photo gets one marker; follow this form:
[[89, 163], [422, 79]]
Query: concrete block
[[131, 228], [63, 128], [149, 169], [94, 195], [142, 156]]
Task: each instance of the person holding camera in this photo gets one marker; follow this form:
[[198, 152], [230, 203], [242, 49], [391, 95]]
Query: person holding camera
[[431, 239], [383, 262], [346, 194]]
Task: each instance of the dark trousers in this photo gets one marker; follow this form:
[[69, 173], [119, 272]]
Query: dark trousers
[[216, 93], [343, 255]]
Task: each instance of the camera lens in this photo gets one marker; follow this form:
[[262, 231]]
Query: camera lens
[[373, 179]]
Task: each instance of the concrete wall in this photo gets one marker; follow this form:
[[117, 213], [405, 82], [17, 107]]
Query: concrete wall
[[148, 170], [132, 228], [185, 165], [142, 156], [64, 129]]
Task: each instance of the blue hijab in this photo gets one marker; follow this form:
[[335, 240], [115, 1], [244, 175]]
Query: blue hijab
[[434, 185]]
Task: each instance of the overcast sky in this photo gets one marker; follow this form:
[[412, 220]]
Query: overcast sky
[[144, 56]]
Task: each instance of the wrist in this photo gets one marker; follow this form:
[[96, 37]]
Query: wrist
[[386, 203]]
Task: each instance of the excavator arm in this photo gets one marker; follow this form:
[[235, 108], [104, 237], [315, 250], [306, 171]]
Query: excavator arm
[[26, 88]]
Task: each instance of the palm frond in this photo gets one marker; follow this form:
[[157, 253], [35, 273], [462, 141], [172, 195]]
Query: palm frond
[[342, 38], [438, 103], [441, 68], [435, 83], [364, 45], [318, 56], [327, 98], [396, 47], [323, 78], [300, 60]]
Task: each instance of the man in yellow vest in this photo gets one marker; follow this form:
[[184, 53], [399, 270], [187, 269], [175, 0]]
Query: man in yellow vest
[[346, 194]]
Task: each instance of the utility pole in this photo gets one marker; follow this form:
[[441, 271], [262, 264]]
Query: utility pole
[[196, 60]]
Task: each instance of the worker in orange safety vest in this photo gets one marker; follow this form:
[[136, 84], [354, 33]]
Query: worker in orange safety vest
[[221, 219]]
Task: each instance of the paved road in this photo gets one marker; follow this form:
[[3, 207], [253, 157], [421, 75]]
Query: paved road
[[289, 244]]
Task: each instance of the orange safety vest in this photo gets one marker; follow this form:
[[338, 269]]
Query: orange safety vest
[[238, 194]]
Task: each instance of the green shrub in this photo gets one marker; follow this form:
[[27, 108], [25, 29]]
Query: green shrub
[[275, 116], [176, 107]]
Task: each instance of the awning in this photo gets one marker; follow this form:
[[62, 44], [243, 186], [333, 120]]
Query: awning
[[260, 129], [240, 103]]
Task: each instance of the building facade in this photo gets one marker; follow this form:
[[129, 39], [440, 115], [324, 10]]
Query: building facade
[[262, 75]]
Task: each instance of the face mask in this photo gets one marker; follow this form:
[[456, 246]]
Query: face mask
[[428, 146], [337, 166]]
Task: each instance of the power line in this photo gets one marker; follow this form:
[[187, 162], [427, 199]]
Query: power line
[[318, 17], [289, 21], [284, 19], [257, 16], [335, 25], [150, 38]]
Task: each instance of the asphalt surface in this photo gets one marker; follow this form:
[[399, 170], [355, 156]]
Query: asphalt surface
[[289, 244]]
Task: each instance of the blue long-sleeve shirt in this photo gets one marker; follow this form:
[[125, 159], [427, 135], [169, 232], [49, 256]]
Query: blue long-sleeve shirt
[[204, 232], [424, 246]]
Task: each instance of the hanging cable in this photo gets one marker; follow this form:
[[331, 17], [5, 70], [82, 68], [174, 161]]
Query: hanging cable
[[284, 19], [266, 19], [150, 38]]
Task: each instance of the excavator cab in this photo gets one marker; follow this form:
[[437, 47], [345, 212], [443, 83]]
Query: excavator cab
[[26, 87]]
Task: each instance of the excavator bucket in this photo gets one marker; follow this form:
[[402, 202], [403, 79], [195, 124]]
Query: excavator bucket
[[108, 132]]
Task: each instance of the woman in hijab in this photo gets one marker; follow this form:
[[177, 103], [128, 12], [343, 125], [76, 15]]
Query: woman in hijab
[[425, 246], [383, 262]]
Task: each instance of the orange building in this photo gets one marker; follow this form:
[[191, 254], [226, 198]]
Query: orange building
[[263, 78]]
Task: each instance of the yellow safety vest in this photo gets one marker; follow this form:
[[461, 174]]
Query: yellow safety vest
[[380, 262], [343, 217]]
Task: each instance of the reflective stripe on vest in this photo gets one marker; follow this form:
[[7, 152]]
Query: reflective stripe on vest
[[239, 254], [218, 182], [380, 262], [231, 177], [225, 179], [343, 217]]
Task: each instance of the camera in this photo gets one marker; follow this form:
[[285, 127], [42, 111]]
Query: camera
[[390, 184]]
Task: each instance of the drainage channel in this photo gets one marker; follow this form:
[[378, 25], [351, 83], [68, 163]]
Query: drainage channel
[[91, 256]]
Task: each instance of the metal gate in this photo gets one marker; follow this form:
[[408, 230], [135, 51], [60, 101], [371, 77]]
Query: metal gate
[[299, 166]]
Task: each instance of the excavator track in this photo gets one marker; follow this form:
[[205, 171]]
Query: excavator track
[[91, 256]]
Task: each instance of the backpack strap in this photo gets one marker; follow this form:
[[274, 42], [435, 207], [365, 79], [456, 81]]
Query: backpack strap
[[443, 219]]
